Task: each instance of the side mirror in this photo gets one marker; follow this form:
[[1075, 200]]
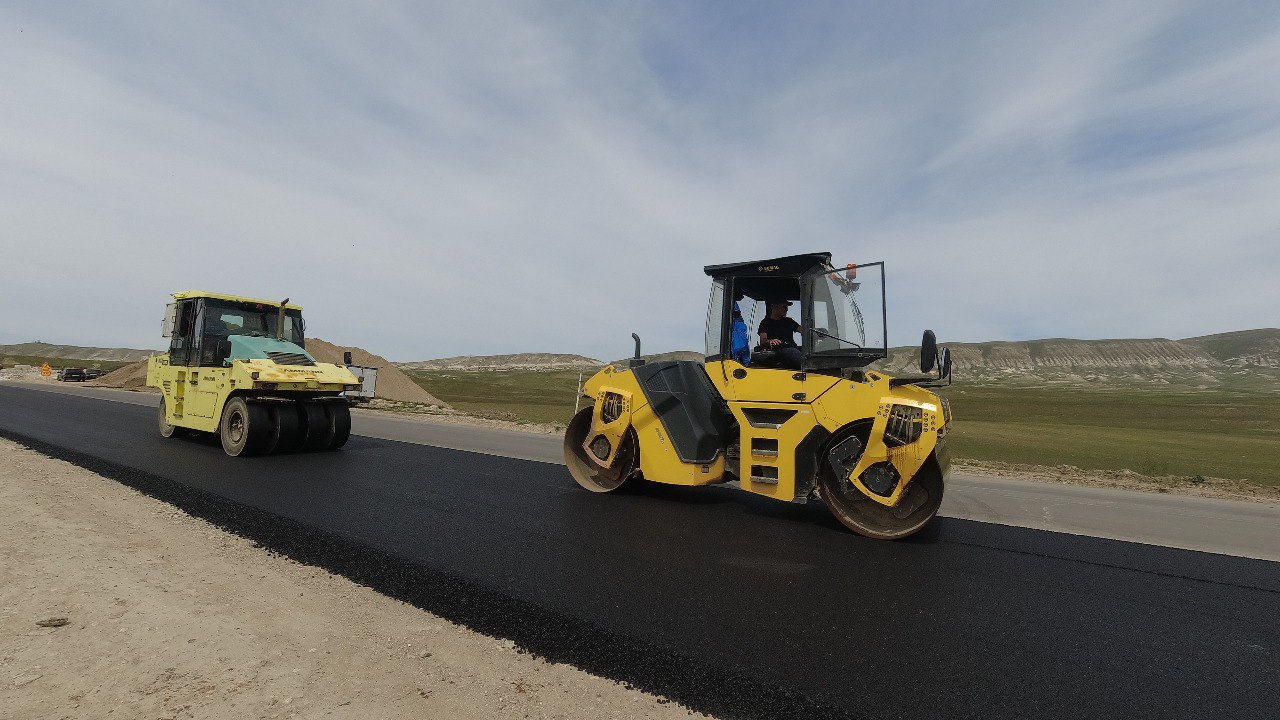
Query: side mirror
[[928, 351], [346, 358], [945, 363], [170, 319]]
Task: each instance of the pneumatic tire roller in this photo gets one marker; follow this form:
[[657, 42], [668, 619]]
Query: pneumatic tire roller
[[238, 367]]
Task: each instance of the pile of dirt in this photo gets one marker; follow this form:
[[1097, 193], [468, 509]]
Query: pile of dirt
[[129, 377], [393, 384], [20, 372]]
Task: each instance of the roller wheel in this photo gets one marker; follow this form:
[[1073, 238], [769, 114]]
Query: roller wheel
[[867, 517], [246, 428], [288, 435], [588, 474], [167, 430], [340, 419], [317, 425]]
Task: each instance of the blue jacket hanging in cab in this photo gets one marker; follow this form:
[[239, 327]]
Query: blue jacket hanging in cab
[[740, 340]]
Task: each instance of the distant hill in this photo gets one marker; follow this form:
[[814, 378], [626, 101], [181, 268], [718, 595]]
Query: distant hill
[[76, 352], [695, 355], [519, 361], [1243, 348], [1157, 359], [1205, 359]]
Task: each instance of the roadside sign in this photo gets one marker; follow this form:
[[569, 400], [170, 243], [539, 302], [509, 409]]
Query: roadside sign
[[45, 370]]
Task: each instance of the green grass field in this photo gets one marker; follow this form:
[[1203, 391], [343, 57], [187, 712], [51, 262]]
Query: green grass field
[[1151, 429], [520, 395], [55, 363]]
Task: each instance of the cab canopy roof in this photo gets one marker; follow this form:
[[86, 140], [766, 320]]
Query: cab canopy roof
[[789, 266], [191, 294]]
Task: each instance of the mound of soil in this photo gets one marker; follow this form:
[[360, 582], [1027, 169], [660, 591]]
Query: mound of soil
[[130, 377], [393, 384]]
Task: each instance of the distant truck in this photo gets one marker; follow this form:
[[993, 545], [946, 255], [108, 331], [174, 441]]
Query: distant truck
[[368, 377], [238, 367]]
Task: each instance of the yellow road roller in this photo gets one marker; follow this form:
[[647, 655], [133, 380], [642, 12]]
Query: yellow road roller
[[785, 405], [238, 367]]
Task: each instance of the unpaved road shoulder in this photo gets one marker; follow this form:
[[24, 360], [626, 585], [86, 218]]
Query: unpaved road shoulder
[[170, 617]]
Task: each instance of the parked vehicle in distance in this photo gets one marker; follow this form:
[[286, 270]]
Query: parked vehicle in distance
[[93, 373], [72, 375]]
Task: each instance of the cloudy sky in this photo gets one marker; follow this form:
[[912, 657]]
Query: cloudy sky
[[478, 177]]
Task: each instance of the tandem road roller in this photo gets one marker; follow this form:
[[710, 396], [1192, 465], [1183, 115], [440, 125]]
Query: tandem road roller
[[238, 367], [798, 417]]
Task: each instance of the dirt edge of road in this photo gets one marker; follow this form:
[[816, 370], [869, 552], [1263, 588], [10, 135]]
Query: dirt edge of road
[[673, 681], [114, 601]]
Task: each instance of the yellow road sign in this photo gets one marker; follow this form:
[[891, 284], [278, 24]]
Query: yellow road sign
[[45, 370]]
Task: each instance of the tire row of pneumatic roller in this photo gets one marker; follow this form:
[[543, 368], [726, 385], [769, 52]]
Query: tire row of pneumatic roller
[[261, 427]]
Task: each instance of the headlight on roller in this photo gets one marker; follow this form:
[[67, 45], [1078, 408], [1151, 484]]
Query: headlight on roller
[[904, 425], [612, 407]]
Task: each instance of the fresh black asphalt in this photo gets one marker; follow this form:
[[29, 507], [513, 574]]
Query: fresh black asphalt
[[733, 605]]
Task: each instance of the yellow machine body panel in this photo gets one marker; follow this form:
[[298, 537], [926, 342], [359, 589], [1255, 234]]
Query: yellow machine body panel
[[767, 450], [195, 396], [191, 294], [783, 419], [658, 457], [848, 402]]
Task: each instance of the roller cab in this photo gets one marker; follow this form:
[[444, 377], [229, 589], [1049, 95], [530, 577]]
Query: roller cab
[[238, 367], [784, 406]]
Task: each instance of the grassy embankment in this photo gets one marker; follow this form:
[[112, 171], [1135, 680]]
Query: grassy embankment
[[55, 363], [520, 395], [1229, 432]]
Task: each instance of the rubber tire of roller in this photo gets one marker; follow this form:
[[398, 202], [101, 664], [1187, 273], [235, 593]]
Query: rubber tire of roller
[[340, 419], [256, 431], [288, 434], [317, 425], [167, 430]]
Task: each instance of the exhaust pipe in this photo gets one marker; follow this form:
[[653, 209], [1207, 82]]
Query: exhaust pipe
[[636, 361], [280, 320]]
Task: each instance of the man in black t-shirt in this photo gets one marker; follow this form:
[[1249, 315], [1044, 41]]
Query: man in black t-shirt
[[777, 333]]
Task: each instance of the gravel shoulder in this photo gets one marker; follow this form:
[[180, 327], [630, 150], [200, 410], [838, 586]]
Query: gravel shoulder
[[169, 617]]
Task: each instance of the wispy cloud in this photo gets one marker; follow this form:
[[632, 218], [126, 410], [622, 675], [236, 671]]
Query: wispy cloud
[[482, 177]]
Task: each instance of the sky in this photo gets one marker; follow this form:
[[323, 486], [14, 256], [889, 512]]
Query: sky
[[438, 179]]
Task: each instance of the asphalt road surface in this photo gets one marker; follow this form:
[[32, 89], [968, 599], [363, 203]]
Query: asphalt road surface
[[733, 604], [1245, 529]]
